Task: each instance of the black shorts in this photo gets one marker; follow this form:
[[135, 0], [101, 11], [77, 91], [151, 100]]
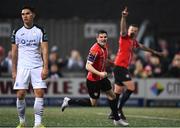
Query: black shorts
[[94, 87], [121, 74]]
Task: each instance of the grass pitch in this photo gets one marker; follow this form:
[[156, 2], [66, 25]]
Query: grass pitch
[[94, 117]]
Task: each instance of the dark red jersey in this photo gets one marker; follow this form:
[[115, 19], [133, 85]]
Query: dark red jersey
[[125, 51], [97, 57]]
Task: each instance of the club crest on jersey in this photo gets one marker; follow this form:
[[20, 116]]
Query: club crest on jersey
[[127, 76], [95, 94], [23, 41]]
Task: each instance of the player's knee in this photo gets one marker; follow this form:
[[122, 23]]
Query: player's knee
[[39, 93], [93, 103], [118, 89], [21, 95], [113, 96], [131, 88]]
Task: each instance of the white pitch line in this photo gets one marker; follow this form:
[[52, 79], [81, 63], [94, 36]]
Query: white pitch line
[[147, 117]]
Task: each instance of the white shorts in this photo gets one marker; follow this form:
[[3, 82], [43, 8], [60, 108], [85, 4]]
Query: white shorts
[[25, 76]]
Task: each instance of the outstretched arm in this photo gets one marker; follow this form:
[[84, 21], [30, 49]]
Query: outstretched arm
[[123, 26], [150, 50]]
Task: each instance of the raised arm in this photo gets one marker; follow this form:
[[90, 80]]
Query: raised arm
[[123, 25]]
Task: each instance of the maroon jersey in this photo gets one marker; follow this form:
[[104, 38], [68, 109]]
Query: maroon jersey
[[125, 51], [97, 57]]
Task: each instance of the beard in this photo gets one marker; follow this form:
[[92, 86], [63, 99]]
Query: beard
[[102, 43]]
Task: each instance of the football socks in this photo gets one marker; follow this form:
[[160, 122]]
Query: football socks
[[21, 105], [38, 110]]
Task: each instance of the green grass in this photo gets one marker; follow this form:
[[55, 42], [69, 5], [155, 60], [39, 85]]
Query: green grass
[[94, 117]]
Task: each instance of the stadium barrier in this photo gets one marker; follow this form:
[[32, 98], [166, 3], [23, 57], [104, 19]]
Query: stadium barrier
[[149, 92]]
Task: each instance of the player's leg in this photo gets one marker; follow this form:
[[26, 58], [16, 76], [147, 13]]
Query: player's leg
[[113, 104], [106, 87], [94, 92], [38, 107], [38, 86], [77, 102], [21, 106], [123, 78], [118, 89], [126, 95], [21, 85], [118, 86]]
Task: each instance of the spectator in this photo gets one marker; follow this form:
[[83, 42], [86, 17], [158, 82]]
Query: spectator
[[2, 68], [75, 62], [174, 69], [156, 66], [1, 53], [139, 69], [54, 59], [147, 71], [163, 45], [8, 62], [147, 57], [54, 72], [164, 48]]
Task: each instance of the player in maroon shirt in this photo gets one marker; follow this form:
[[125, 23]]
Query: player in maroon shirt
[[97, 79], [127, 43]]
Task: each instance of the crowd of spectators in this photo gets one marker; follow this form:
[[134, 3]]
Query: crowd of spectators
[[144, 65], [149, 65], [58, 66]]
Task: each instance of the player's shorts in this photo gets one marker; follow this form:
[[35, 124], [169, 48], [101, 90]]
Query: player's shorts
[[121, 75], [25, 76], [94, 87]]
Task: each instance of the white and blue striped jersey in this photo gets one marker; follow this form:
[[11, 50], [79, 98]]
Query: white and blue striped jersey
[[28, 41]]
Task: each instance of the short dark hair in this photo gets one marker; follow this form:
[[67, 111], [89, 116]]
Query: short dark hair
[[101, 32], [134, 25], [32, 9]]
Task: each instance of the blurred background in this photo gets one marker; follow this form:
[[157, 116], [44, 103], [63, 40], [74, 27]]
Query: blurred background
[[71, 26]]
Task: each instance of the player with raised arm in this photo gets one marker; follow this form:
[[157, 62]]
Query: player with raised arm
[[127, 42], [29, 64]]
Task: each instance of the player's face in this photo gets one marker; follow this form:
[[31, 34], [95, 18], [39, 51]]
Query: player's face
[[27, 16], [132, 31], [102, 39], [176, 61]]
